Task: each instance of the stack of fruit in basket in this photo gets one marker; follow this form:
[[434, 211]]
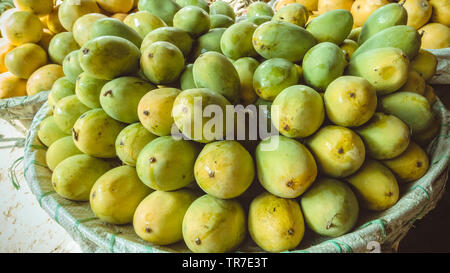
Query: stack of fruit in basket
[[353, 109]]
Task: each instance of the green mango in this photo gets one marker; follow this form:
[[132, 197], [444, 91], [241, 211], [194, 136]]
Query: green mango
[[187, 78], [156, 160], [208, 42], [75, 176], [387, 16], [236, 41], [214, 71], [412, 108], [259, 9], [162, 62], [60, 46], [298, 111], [95, 133], [59, 150], [109, 57], [164, 9], [175, 36], [67, 111], [49, 131], [199, 3], [220, 21], [273, 76], [221, 7], [159, 217], [275, 224], [61, 88], [155, 110], [340, 21], [224, 169], [330, 207], [285, 167], [246, 68], [296, 14], [213, 225], [143, 22], [116, 195], [82, 26], [130, 142], [193, 20], [276, 39], [120, 97], [385, 68], [258, 20], [323, 64], [114, 27], [88, 90], [71, 66], [183, 114], [338, 151], [402, 37]]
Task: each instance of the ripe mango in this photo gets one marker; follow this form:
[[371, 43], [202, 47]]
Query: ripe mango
[[224, 169], [214, 71], [66, 112], [61, 149], [21, 27], [275, 224], [330, 207], [300, 111], [323, 64], [109, 57], [43, 78], [71, 10], [165, 10], [324, 6], [23, 60], [415, 83], [220, 21], [143, 22], [350, 101], [340, 21], [60, 46], [362, 9], [81, 27], [338, 151], [236, 41], [37, 7], [193, 20], [5, 48], [175, 36], [246, 68], [71, 66], [441, 12], [116, 195], [385, 68], [213, 225], [375, 186], [49, 132], [295, 13], [130, 142], [426, 136], [95, 133], [348, 47], [287, 170], [88, 90], [53, 23], [114, 27], [61, 88], [311, 5], [425, 64], [156, 160], [208, 42], [120, 97], [75, 176], [158, 219], [273, 76], [116, 6], [221, 7], [12, 86], [155, 110], [429, 94], [435, 36], [275, 39], [419, 12], [354, 34]]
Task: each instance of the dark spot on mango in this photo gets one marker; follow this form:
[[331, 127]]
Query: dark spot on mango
[[146, 113], [198, 241], [352, 95], [152, 159], [291, 231], [148, 230], [121, 143], [109, 92], [389, 194], [290, 183], [93, 195], [75, 134], [85, 51], [340, 151], [150, 55], [286, 127], [211, 174]]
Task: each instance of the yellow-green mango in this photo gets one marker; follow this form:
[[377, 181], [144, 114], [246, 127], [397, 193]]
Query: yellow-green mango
[[276, 39], [74, 177], [21, 27], [130, 142], [294, 13], [426, 136], [213, 225], [116, 195], [224, 169], [275, 224], [350, 101], [159, 217], [323, 64], [81, 27], [108, 57], [387, 16], [348, 46], [114, 27], [163, 9], [236, 41], [156, 161], [187, 78], [220, 21], [338, 151], [273, 76], [199, 3], [298, 111], [66, 112], [246, 68], [193, 20], [70, 10], [175, 36], [221, 7], [143, 22], [415, 83], [330, 207], [95, 133], [71, 66], [61, 88], [49, 131], [258, 9], [60, 46], [88, 88], [333, 26], [60, 150], [208, 42], [385, 68], [120, 97], [375, 186], [23, 60], [214, 71], [287, 169], [425, 64], [354, 34], [258, 20]]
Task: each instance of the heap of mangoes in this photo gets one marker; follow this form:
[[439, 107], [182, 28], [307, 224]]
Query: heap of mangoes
[[352, 107]]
